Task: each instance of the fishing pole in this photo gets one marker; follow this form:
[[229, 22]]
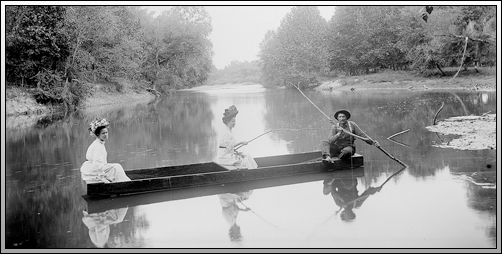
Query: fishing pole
[[239, 146], [247, 208], [365, 139]]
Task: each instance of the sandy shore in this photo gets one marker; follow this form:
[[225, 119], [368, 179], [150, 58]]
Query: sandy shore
[[481, 83]]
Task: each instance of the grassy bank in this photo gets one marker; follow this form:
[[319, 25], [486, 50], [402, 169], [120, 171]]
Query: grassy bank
[[484, 80]]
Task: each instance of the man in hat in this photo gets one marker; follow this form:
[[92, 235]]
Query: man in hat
[[340, 143]]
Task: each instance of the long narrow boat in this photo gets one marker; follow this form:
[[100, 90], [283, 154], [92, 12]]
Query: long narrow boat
[[96, 204], [211, 173]]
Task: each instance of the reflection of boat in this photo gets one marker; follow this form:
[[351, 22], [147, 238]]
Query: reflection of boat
[[211, 173]]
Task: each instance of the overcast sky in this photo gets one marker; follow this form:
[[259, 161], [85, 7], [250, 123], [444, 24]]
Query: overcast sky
[[238, 30]]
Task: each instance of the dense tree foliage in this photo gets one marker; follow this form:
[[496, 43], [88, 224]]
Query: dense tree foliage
[[296, 52], [360, 39], [58, 49], [34, 41]]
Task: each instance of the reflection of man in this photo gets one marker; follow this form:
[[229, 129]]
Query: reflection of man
[[230, 210], [99, 224], [345, 195]]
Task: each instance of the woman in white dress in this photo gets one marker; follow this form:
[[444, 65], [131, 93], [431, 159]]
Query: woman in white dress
[[96, 169], [226, 154]]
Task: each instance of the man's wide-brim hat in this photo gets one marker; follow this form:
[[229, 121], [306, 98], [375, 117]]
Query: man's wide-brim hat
[[343, 111]]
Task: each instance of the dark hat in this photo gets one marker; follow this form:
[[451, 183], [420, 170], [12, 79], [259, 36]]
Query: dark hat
[[345, 112], [229, 113]]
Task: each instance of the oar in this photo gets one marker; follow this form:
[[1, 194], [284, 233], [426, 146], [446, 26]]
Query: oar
[[365, 139], [239, 146]]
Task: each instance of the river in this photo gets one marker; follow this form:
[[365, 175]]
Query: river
[[432, 204]]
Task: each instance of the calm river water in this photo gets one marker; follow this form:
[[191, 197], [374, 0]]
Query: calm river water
[[432, 204]]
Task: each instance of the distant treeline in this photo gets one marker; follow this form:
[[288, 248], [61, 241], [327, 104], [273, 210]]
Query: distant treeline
[[361, 39], [56, 49], [236, 72]]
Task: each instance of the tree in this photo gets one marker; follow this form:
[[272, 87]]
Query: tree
[[297, 51], [34, 41], [363, 37], [178, 50]]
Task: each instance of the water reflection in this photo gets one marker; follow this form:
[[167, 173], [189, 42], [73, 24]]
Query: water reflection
[[99, 224], [346, 196], [230, 209], [43, 185]]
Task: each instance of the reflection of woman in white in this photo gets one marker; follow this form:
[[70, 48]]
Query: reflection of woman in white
[[226, 154], [230, 211], [99, 224], [96, 169]]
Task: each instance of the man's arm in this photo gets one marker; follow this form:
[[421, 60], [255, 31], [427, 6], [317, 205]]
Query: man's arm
[[359, 132], [333, 134]]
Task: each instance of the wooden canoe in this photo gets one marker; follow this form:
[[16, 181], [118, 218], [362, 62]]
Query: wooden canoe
[[97, 204], [211, 173]]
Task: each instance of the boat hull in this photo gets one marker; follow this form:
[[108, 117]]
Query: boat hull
[[211, 173]]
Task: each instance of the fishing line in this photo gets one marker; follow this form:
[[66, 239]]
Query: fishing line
[[257, 214], [283, 129]]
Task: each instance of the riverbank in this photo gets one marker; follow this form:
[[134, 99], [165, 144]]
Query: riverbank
[[22, 110], [484, 80], [20, 101]]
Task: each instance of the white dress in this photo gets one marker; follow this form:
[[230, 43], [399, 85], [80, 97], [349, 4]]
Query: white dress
[[226, 155], [97, 170]]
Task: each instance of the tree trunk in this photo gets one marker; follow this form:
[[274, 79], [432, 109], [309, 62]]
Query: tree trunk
[[439, 67], [154, 83], [476, 57]]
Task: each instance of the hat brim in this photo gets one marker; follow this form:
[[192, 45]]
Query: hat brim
[[345, 112]]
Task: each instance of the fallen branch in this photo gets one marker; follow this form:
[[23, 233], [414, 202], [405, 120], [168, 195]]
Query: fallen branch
[[399, 143], [399, 133], [484, 114], [434, 121], [461, 62]]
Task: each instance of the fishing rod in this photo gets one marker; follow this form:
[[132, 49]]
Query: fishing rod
[[239, 146], [365, 139], [249, 209]]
